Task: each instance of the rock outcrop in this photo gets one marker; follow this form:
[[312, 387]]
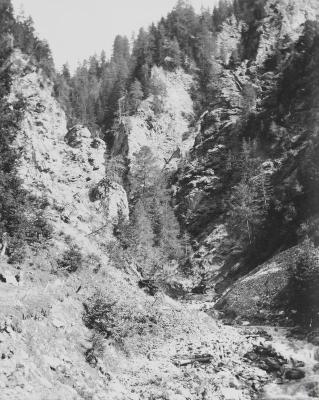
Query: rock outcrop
[[161, 121], [266, 98], [262, 293], [60, 165]]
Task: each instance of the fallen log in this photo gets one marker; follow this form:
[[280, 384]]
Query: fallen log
[[202, 359]]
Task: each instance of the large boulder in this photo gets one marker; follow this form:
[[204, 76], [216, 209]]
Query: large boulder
[[77, 135]]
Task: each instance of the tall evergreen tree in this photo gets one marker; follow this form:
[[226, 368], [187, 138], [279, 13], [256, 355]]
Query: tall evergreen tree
[[135, 96]]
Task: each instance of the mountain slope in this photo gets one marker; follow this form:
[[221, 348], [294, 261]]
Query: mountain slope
[[250, 186]]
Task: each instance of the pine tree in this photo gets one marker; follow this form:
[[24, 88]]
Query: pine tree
[[115, 168], [250, 198], [172, 51], [135, 96], [143, 174], [248, 99], [143, 235], [245, 212], [169, 232], [121, 49]]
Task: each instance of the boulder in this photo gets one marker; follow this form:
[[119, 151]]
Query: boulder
[[266, 358], [313, 337], [77, 135], [312, 389], [316, 368], [294, 374], [298, 364]]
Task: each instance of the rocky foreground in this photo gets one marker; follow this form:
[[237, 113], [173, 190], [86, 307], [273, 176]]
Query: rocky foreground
[[186, 354]]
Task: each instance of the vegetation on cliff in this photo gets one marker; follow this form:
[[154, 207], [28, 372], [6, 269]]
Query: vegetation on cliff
[[21, 216]]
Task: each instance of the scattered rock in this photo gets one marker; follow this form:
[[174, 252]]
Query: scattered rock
[[57, 323], [312, 389], [314, 339], [257, 333], [294, 374], [53, 362], [231, 394], [298, 364], [149, 286], [266, 358], [9, 277], [252, 356], [227, 379], [316, 368], [298, 333], [273, 364]]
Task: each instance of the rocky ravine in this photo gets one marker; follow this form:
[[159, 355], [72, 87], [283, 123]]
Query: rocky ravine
[[43, 338], [186, 354]]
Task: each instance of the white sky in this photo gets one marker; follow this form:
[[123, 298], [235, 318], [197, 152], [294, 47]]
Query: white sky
[[77, 29]]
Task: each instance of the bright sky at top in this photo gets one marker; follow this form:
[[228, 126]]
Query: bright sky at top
[[77, 29]]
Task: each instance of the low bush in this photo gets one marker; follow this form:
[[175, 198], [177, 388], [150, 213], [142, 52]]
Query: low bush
[[134, 322], [16, 251], [71, 260], [117, 318]]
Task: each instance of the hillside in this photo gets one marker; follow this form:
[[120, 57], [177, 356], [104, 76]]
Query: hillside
[[249, 190], [150, 201]]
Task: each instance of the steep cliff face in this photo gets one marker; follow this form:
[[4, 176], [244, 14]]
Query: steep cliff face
[[263, 119], [161, 122], [63, 167]]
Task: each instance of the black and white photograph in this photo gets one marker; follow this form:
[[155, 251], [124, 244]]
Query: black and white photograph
[[159, 199]]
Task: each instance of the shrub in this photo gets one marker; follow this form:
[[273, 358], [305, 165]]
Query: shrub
[[119, 318], [134, 321], [71, 260], [41, 228], [16, 251]]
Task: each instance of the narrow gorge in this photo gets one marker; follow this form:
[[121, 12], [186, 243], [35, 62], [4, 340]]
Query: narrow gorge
[[159, 210]]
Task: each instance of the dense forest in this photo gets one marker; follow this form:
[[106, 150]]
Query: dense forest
[[101, 88]]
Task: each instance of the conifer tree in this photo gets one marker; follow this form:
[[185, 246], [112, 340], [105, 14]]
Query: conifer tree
[[143, 174], [143, 237], [169, 232], [250, 197], [172, 54], [135, 96]]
